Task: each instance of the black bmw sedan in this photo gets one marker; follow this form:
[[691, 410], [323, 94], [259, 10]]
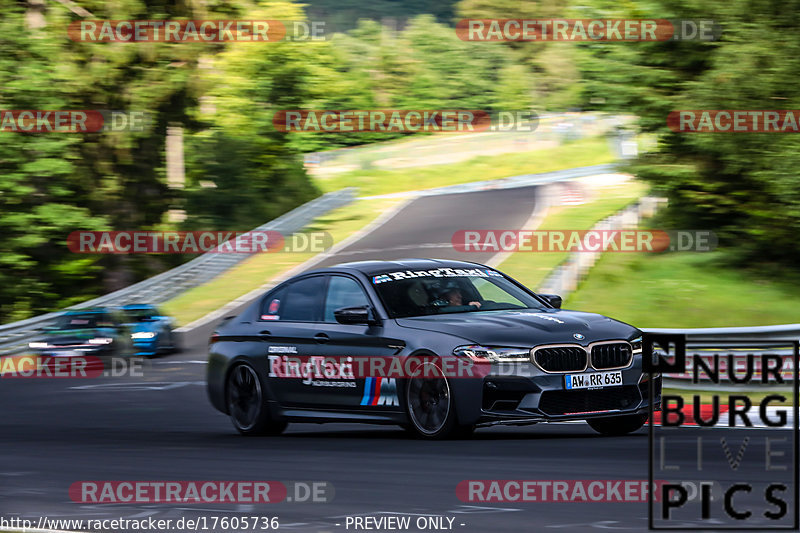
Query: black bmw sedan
[[438, 347]]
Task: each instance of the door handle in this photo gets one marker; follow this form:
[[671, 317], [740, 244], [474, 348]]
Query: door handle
[[265, 333], [321, 338]]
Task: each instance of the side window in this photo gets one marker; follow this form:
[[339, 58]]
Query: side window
[[271, 307], [302, 301], [343, 292]]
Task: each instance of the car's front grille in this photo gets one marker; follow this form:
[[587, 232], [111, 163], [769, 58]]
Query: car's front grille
[[560, 358], [617, 355], [564, 402]]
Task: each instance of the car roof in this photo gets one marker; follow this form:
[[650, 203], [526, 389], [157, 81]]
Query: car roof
[[371, 268]]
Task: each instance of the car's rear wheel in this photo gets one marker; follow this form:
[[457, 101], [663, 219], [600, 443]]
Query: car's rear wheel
[[617, 425], [246, 404], [430, 407]]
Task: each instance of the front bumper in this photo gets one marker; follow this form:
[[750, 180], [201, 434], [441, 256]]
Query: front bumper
[[82, 350], [531, 396], [146, 347]]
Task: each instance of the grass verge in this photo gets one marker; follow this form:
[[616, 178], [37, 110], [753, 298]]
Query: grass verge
[[580, 153], [684, 290], [261, 268]]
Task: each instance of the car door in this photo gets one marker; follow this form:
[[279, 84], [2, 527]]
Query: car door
[[288, 322], [357, 340]]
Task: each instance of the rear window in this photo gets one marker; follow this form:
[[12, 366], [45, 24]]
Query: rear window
[[301, 301]]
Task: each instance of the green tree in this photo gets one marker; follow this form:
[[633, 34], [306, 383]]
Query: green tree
[[241, 171], [744, 186]]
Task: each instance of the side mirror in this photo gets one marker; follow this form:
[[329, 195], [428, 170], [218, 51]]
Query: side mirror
[[355, 315], [552, 299]]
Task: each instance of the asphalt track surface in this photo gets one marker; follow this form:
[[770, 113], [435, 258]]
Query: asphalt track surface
[[158, 425]]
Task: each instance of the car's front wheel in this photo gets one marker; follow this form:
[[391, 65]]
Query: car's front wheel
[[430, 407], [617, 425], [246, 404]]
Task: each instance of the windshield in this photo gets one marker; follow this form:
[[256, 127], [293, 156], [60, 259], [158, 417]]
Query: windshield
[[84, 321], [141, 315], [442, 291]]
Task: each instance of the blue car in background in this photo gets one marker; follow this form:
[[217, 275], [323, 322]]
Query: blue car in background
[[151, 331]]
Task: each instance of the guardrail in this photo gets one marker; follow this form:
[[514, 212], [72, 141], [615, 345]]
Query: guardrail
[[512, 182], [162, 287], [783, 332]]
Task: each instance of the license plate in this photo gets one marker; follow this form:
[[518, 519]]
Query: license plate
[[593, 380]]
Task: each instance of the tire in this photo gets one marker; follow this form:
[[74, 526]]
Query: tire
[[617, 425], [246, 404], [429, 407]]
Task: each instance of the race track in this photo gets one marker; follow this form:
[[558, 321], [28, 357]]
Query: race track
[[159, 425]]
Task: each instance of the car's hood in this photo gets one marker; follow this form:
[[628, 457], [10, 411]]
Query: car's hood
[[524, 327]]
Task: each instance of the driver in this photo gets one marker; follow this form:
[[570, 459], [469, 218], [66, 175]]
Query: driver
[[456, 299]]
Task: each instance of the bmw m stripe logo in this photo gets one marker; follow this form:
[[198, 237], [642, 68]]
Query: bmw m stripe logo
[[380, 391]]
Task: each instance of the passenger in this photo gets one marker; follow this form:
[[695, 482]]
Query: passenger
[[417, 294]]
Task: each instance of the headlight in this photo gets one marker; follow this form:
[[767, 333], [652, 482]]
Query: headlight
[[494, 353], [101, 340], [143, 335], [636, 344], [37, 345]]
